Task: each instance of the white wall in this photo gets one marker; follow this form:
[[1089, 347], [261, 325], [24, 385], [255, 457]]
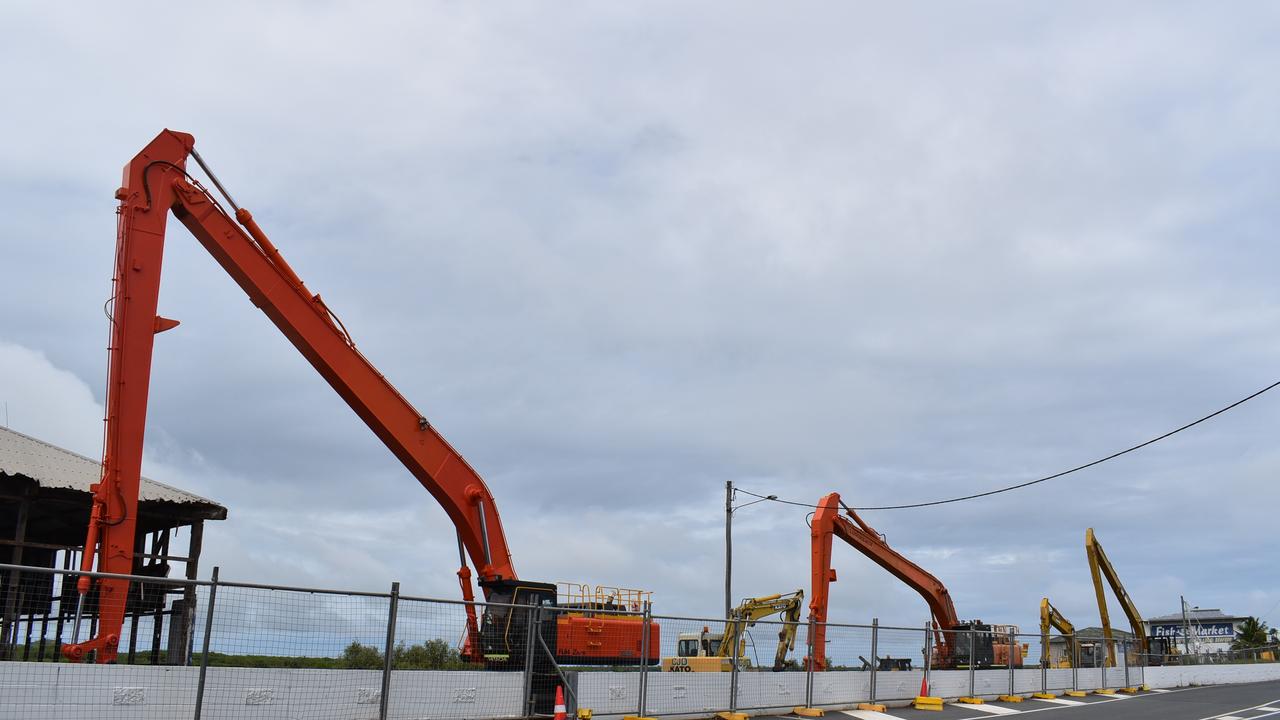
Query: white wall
[[673, 696], [1187, 675], [48, 691]]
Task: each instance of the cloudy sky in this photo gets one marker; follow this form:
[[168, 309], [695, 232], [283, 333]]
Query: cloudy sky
[[622, 253]]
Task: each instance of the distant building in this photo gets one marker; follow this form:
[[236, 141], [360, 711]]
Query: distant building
[[1211, 630], [1092, 647], [44, 515]]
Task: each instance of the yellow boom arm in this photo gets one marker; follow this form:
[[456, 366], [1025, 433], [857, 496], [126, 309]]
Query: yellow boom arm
[[754, 609], [1050, 617], [1099, 565]]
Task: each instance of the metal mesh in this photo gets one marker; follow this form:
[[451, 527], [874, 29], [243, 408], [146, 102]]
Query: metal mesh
[[899, 660], [766, 682], [433, 635], [308, 653], [1032, 678], [327, 648], [39, 619], [677, 687]]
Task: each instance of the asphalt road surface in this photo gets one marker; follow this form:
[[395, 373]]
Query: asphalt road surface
[[1252, 701]]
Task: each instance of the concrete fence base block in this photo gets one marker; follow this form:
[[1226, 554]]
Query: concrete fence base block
[[927, 703]]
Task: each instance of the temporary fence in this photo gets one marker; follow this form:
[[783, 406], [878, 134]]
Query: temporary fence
[[215, 648]]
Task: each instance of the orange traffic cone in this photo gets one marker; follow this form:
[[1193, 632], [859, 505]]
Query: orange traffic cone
[[924, 687], [560, 711]]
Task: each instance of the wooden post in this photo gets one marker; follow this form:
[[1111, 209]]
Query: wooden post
[[9, 625], [189, 594]]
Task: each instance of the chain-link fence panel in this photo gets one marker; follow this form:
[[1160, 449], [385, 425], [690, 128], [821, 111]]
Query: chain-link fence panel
[[695, 670], [45, 617], [899, 661], [1090, 673], [774, 676], [610, 649], [322, 652], [841, 656], [1032, 676], [431, 636], [1114, 675]]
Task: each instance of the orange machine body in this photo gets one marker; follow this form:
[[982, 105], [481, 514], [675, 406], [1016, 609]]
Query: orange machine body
[[597, 641]]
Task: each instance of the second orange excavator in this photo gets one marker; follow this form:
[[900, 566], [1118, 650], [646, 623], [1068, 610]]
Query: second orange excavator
[[990, 645]]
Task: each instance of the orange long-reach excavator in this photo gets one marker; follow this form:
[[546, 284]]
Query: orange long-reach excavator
[[950, 649], [156, 182]]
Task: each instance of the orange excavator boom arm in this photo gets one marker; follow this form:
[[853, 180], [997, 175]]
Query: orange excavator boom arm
[[156, 183], [827, 523]]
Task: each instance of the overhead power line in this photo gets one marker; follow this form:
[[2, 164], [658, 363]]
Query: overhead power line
[[1046, 478]]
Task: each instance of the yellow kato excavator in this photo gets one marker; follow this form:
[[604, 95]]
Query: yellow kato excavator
[[713, 652]]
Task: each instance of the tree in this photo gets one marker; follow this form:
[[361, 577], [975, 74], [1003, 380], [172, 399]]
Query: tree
[[361, 657], [1253, 633], [433, 654]]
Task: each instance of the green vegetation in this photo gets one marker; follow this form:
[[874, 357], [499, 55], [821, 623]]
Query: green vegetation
[[1253, 633], [430, 655]]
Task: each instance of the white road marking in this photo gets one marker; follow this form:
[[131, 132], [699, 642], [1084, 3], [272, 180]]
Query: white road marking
[[993, 709], [1118, 696], [1159, 690], [1269, 709], [1060, 701], [1229, 717], [870, 715], [1246, 709]]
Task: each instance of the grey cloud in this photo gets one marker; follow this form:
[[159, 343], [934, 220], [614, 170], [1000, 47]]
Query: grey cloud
[[625, 255]]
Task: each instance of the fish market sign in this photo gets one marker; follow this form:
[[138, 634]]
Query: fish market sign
[[1203, 631]]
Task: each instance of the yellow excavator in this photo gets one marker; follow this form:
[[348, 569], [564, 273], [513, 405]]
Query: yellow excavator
[[1050, 617], [1100, 566], [713, 652]]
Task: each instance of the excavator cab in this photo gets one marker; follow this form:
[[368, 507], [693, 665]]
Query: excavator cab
[[973, 645], [505, 633]]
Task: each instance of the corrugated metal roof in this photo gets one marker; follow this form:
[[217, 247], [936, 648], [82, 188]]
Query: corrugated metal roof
[[1095, 633], [1197, 615], [52, 467]]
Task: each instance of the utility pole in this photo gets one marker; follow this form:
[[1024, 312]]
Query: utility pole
[[728, 546], [1186, 627]]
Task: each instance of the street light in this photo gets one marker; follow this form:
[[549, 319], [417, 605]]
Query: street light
[[728, 541]]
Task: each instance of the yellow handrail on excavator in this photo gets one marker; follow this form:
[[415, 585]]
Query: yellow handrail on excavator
[[1050, 617], [1099, 565]]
